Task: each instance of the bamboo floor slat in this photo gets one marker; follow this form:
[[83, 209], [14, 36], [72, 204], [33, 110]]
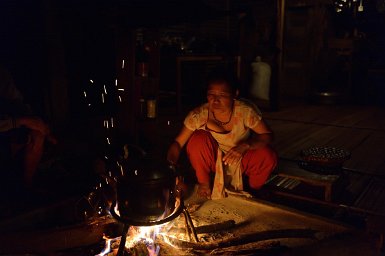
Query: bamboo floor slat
[[373, 197], [356, 185], [351, 119], [369, 156], [349, 139], [372, 121]]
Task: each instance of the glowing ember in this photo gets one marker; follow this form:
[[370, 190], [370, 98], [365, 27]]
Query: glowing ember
[[107, 248], [144, 235], [138, 239], [144, 240]]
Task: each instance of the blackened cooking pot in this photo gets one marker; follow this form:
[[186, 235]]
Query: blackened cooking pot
[[147, 193]]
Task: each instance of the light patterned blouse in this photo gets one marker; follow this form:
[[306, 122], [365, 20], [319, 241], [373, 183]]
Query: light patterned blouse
[[246, 116]]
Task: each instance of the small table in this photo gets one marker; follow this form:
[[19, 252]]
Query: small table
[[289, 175], [325, 181]]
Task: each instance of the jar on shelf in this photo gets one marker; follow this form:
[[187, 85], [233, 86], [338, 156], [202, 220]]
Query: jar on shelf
[[151, 108], [142, 108]]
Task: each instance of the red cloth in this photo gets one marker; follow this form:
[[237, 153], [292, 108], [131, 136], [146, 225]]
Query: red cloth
[[202, 151]]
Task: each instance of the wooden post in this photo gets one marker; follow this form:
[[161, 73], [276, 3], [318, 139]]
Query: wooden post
[[56, 101], [280, 35]]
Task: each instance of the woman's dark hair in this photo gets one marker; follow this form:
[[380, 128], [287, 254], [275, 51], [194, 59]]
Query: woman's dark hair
[[223, 75]]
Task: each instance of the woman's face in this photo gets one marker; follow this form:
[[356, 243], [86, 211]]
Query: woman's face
[[219, 96]]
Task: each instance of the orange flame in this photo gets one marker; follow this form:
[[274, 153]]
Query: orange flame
[[146, 235]]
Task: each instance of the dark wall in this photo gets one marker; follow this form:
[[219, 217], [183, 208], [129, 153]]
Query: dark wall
[[34, 34], [44, 41], [23, 49]]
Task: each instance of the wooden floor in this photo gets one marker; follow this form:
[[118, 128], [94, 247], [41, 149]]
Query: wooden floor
[[358, 129]]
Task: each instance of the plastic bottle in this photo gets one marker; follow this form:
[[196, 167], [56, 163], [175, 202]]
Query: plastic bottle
[[260, 85]]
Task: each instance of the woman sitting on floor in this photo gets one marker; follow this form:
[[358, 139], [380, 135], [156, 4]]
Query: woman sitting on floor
[[228, 137]]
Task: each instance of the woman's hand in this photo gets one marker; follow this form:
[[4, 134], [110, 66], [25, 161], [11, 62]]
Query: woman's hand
[[234, 155], [173, 153]]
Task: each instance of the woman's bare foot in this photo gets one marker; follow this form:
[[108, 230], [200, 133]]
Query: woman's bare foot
[[204, 191]]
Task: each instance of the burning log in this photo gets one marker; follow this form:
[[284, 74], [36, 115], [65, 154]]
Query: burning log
[[211, 228], [215, 227], [264, 248], [247, 238], [140, 249]]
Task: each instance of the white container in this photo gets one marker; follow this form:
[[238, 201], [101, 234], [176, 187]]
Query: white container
[[260, 85]]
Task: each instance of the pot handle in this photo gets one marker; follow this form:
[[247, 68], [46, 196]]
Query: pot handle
[[181, 187], [133, 148], [175, 167]]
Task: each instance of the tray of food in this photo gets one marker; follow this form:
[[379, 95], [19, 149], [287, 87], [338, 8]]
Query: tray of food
[[331, 157]]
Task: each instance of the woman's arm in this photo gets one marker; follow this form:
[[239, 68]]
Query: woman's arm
[[261, 137], [179, 142]]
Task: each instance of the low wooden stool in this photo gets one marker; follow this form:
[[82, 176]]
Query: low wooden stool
[[289, 175], [314, 179]]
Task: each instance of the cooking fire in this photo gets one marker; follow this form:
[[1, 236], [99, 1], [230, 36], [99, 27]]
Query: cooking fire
[[234, 225], [150, 208], [147, 200], [142, 211], [140, 241]]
